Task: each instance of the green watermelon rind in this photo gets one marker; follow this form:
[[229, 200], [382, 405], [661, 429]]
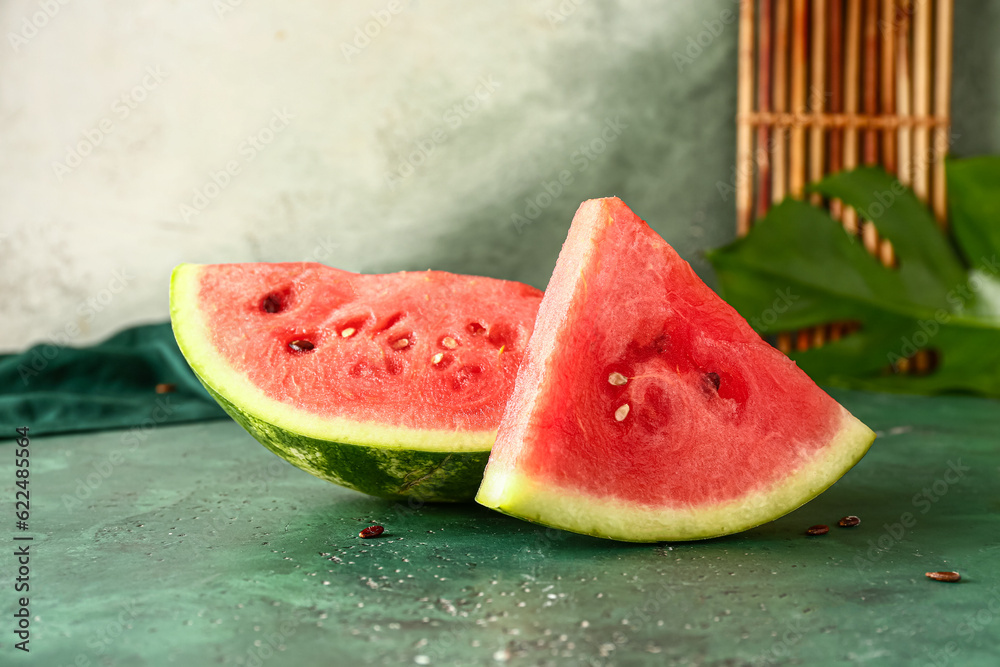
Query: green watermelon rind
[[394, 474], [381, 460], [515, 494]]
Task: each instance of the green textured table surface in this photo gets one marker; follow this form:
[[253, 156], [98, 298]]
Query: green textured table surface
[[193, 545]]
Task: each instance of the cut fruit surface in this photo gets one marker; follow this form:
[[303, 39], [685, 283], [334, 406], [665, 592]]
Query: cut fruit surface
[[647, 409], [389, 384]]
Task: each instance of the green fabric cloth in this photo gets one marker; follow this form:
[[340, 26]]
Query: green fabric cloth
[[111, 385]]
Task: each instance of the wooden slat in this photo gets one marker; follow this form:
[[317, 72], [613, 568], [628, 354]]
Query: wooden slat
[[869, 234], [779, 100], [797, 148], [763, 153], [888, 81], [802, 340], [785, 342], [852, 55], [836, 157], [817, 104], [869, 87], [817, 96], [942, 98], [921, 97], [903, 96], [744, 136], [870, 79]]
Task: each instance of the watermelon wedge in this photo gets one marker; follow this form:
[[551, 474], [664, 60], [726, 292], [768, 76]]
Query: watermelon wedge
[[647, 409], [389, 384]]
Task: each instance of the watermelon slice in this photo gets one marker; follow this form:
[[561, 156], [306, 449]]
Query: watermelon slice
[[647, 409], [389, 384]]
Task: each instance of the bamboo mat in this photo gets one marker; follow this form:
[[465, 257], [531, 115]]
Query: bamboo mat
[[830, 85]]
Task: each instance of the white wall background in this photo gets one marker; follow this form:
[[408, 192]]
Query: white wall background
[[560, 70]]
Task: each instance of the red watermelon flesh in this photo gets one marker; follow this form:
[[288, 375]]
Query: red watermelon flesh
[[390, 384], [376, 339], [648, 409]]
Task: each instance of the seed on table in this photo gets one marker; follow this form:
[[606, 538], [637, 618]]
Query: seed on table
[[944, 576], [166, 388], [370, 532], [849, 521], [818, 529]]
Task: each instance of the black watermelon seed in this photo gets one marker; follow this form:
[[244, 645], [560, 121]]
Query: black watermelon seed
[[301, 345], [271, 304], [849, 521], [818, 529], [713, 379]]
